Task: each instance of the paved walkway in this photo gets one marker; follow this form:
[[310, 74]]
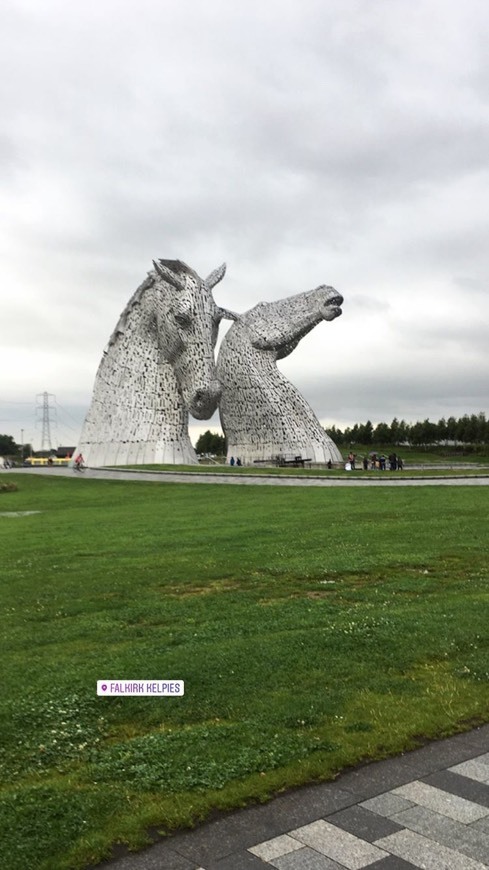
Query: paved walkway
[[425, 809], [372, 479]]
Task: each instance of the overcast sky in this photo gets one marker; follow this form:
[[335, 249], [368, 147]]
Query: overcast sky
[[343, 142]]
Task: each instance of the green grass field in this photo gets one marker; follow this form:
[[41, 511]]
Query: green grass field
[[314, 628]]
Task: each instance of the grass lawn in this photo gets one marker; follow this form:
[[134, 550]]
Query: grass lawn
[[313, 628]]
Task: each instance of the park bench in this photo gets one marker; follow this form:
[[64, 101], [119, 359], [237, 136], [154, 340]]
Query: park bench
[[294, 462], [281, 461]]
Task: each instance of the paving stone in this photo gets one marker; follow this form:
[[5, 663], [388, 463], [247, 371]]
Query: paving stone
[[477, 738], [158, 857], [337, 844], [446, 831], [214, 840], [460, 785], [305, 859], [275, 848], [238, 861], [480, 737], [382, 776], [374, 779], [427, 854], [443, 802], [443, 753], [481, 825], [363, 823], [294, 809], [473, 769], [485, 757], [392, 863], [387, 804]]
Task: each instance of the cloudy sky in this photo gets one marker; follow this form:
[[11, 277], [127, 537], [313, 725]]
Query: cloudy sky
[[302, 141]]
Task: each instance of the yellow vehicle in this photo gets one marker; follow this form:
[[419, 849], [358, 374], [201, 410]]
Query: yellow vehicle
[[46, 460]]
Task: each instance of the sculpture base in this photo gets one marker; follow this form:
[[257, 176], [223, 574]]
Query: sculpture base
[[138, 453], [311, 453]]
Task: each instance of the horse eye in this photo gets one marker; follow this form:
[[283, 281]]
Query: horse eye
[[182, 319]]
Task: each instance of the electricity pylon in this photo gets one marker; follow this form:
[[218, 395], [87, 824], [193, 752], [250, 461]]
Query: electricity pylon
[[48, 416]]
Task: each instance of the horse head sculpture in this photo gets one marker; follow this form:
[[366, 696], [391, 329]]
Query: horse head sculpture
[[262, 413], [187, 323], [157, 368]]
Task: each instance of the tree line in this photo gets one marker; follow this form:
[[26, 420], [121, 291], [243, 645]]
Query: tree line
[[470, 429], [10, 449]]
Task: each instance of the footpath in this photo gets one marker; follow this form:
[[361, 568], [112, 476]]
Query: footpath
[[241, 478]]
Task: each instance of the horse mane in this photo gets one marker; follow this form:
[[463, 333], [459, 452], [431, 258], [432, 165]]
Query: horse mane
[[176, 266], [134, 301]]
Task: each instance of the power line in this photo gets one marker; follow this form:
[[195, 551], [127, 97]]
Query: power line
[[70, 416], [10, 402]]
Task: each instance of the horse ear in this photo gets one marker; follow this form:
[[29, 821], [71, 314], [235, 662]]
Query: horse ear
[[225, 314], [216, 276], [171, 272]]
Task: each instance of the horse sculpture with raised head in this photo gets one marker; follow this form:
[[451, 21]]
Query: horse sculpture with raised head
[[158, 366], [262, 414]]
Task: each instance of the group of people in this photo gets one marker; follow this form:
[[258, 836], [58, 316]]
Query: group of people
[[375, 462], [234, 461]]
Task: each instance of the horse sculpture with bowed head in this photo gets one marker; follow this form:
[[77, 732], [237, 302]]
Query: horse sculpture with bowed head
[[158, 366], [262, 413]]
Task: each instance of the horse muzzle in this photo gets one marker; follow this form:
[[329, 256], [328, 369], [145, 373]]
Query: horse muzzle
[[332, 307], [205, 401]]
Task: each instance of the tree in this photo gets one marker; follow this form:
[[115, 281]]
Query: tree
[[416, 435], [8, 447], [211, 442], [382, 433], [335, 434], [424, 433], [462, 429], [354, 438], [402, 432], [451, 429], [365, 433], [442, 430], [394, 431], [480, 426]]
